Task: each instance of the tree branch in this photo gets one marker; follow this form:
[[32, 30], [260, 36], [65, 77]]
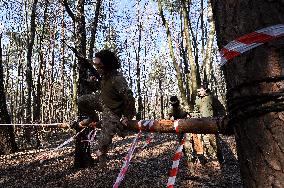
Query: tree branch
[[87, 62], [94, 29], [69, 11]]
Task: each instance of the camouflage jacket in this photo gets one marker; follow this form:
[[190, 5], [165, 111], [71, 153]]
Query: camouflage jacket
[[117, 96], [204, 105], [209, 106]]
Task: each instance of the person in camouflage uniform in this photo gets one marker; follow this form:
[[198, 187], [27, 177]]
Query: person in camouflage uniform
[[206, 105], [192, 145], [177, 112], [117, 101]]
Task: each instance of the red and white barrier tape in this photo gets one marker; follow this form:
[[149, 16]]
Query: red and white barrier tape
[[174, 170], [150, 124], [176, 125], [148, 140], [126, 163], [250, 41], [47, 156]]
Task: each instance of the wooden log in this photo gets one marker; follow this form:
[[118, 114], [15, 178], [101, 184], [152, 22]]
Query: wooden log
[[193, 125]]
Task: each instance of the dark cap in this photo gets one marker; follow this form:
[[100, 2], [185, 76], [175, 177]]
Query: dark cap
[[173, 100]]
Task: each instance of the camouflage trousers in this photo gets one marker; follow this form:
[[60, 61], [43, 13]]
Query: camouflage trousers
[[212, 147], [111, 125], [89, 105]]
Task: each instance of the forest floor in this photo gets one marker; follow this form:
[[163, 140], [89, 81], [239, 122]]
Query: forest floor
[[148, 168]]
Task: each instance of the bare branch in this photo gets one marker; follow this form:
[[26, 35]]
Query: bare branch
[[69, 11]]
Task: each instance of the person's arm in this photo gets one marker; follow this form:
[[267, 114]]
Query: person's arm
[[126, 94]]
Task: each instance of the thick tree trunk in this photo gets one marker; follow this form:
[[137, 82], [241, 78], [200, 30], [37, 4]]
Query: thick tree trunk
[[7, 137], [259, 138]]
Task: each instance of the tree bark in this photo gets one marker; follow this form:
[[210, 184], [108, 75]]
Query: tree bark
[[7, 136], [37, 104], [259, 138], [29, 76], [138, 70], [207, 63], [193, 125], [82, 149]]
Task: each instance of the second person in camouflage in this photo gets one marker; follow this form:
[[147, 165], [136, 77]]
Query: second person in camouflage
[[205, 104]]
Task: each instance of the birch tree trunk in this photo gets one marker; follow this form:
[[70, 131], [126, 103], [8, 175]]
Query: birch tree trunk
[[207, 63]]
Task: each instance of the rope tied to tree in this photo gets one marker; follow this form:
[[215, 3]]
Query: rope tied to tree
[[241, 108]]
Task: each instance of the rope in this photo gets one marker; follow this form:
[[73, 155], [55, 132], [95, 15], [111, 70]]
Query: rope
[[32, 124]]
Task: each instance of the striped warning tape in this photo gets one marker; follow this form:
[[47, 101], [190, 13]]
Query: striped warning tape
[[176, 125], [250, 41], [126, 163], [150, 124], [174, 170]]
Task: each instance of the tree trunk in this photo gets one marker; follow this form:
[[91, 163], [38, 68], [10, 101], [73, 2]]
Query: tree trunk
[[202, 27], [7, 136], [194, 68], [207, 63], [37, 104], [62, 51], [138, 70], [259, 138], [94, 29], [162, 98], [29, 76], [192, 125], [176, 66], [82, 149]]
